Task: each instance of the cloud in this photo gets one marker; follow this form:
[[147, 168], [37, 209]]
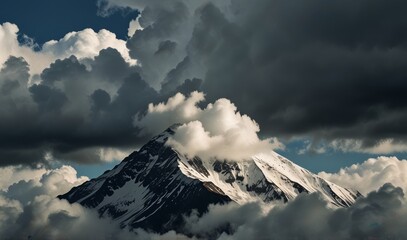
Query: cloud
[[50, 218], [380, 215], [313, 147], [145, 45], [371, 174], [134, 25], [292, 73], [216, 131], [29, 209], [163, 22], [86, 44], [10, 46], [279, 61], [83, 44], [113, 154], [347, 145], [384, 146], [222, 218], [282, 64], [75, 112], [14, 174], [29, 183]]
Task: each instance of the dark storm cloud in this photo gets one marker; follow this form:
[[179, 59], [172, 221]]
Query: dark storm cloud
[[100, 100], [73, 112], [14, 74], [16, 112], [163, 31], [330, 70], [325, 70], [175, 76], [166, 47], [48, 99], [76, 109]]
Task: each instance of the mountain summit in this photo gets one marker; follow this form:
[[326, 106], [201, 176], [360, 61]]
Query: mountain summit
[[153, 187]]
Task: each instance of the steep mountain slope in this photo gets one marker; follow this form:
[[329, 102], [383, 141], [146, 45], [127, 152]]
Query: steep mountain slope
[[153, 187], [147, 189]]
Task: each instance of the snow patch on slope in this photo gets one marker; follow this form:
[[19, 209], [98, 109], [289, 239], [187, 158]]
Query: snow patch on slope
[[267, 177]]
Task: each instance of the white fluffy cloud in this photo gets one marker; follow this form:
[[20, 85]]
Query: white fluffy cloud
[[134, 25], [29, 209], [50, 218], [216, 131], [9, 45], [86, 44], [371, 174], [381, 215], [13, 174], [83, 44], [26, 184]]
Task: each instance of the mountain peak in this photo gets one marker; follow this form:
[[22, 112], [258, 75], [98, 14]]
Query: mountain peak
[[154, 186]]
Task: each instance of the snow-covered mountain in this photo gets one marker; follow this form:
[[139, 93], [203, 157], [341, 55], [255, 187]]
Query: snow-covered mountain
[[153, 187]]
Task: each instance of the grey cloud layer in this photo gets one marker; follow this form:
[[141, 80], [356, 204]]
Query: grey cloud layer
[[381, 215], [76, 109], [29, 207], [329, 70], [326, 70], [72, 110]]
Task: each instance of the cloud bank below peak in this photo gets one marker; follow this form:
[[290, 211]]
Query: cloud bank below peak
[[28, 207], [371, 174]]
